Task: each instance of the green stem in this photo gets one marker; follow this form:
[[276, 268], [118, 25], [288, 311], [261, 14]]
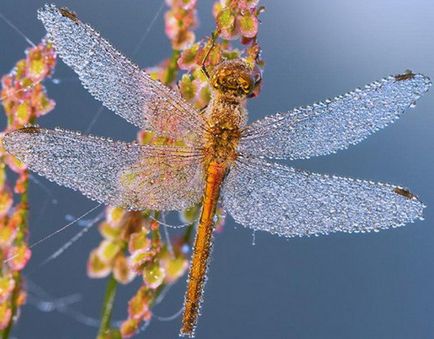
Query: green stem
[[107, 307], [172, 68]]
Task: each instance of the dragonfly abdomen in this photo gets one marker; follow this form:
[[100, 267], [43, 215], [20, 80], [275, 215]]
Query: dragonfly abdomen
[[202, 249]]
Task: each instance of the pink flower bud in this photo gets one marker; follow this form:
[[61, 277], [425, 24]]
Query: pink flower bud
[[121, 270], [5, 315], [153, 275], [107, 250], [19, 256], [96, 268], [248, 24], [129, 327], [6, 201], [7, 284]]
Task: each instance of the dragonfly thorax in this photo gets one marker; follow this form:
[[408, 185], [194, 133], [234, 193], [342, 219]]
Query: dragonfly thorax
[[225, 119], [221, 144]]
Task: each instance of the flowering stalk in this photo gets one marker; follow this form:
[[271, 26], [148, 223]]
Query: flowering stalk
[[24, 100], [104, 330], [133, 245], [148, 256]]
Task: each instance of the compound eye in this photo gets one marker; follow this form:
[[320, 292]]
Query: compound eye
[[245, 85], [258, 78]]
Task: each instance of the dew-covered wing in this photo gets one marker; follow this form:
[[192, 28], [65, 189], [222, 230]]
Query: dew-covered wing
[[116, 173], [290, 202], [334, 124], [118, 83]]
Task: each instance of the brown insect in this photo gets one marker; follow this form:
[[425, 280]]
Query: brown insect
[[404, 192], [407, 75], [69, 14]]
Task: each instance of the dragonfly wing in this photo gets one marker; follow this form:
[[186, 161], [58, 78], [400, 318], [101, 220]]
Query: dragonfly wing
[[290, 202], [114, 80], [116, 173], [335, 124]]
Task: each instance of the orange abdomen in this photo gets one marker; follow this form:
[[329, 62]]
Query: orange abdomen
[[202, 249]]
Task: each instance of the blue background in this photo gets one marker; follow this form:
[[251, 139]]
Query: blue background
[[340, 286]]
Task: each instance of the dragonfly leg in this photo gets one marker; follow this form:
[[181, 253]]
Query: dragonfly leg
[[214, 36]]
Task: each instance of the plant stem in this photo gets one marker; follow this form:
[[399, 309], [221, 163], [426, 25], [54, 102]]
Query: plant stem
[[5, 333], [22, 232], [172, 68], [107, 307]]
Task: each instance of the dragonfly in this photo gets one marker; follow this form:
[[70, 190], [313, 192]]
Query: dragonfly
[[222, 159]]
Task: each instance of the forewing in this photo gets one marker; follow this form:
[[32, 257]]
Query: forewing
[[289, 202], [335, 124], [116, 173], [121, 85]]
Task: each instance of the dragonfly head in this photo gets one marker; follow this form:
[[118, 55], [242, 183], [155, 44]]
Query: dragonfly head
[[234, 79]]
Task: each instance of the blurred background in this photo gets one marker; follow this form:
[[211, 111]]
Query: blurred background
[[378, 285]]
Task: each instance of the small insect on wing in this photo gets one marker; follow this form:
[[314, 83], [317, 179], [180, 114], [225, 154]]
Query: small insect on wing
[[118, 83], [290, 202], [335, 124], [116, 173]]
